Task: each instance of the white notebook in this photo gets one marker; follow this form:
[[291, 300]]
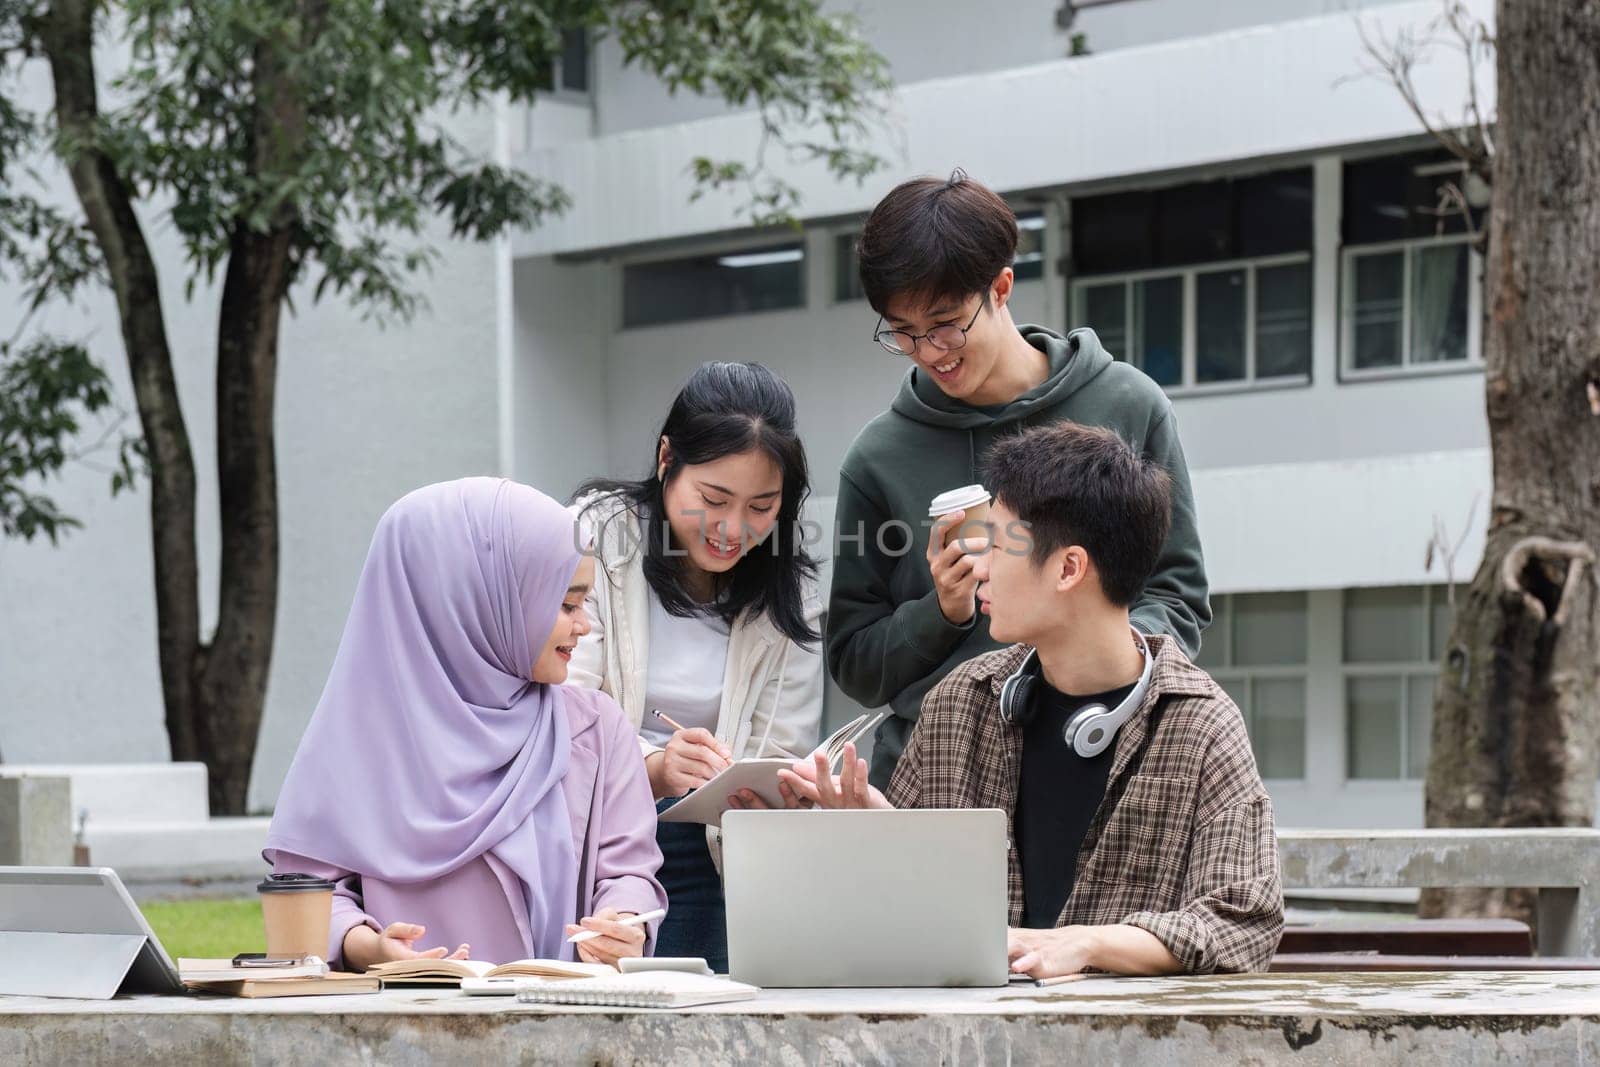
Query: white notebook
[[760, 776], [647, 989]]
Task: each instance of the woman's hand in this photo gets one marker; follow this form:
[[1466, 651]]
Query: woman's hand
[[364, 946], [616, 940], [690, 760]]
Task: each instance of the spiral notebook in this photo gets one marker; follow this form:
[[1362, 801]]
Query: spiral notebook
[[647, 989]]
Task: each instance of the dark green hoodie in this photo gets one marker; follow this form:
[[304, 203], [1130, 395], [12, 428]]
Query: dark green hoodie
[[888, 642]]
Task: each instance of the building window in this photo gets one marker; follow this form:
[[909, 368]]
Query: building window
[[1027, 265], [846, 276], [1394, 638], [1411, 305], [1256, 650], [1411, 284], [573, 77], [1229, 324], [1205, 284], [737, 282]]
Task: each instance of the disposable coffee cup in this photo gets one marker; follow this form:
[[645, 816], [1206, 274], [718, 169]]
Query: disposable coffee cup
[[972, 499], [296, 910]]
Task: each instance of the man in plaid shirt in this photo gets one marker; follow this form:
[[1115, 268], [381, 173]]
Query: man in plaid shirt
[[1155, 856]]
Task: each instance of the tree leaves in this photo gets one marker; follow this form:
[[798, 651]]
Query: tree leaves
[[46, 389]]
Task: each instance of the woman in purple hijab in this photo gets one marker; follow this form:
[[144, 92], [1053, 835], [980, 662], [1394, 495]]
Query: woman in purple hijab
[[455, 790]]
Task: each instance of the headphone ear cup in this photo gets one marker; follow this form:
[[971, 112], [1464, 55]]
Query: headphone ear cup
[[1087, 731], [1016, 699]]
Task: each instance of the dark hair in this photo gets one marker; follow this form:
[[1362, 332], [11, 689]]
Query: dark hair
[[1084, 485], [935, 239], [725, 409]]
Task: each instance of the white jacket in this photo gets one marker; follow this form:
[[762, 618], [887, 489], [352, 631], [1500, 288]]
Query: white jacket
[[771, 689]]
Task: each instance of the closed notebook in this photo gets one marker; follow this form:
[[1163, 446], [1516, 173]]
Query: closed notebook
[[451, 972], [760, 776], [202, 970], [646, 989], [331, 984]]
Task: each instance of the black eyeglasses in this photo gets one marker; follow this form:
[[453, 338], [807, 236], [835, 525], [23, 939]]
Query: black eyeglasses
[[946, 338]]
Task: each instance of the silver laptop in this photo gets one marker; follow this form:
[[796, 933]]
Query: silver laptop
[[866, 898], [75, 932]]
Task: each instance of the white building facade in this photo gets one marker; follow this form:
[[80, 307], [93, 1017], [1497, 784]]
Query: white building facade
[[1213, 187], [1218, 192]]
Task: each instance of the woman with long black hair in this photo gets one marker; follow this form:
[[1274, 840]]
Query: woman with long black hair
[[706, 608]]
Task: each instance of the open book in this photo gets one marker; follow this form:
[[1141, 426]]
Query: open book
[[451, 972], [760, 776]]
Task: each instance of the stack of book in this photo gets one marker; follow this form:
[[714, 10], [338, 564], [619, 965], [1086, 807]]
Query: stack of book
[[310, 978]]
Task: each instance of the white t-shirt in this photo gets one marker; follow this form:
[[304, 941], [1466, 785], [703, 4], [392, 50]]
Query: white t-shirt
[[688, 658]]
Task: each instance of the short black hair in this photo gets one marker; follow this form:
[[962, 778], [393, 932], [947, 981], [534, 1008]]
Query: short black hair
[[935, 239], [1084, 485]]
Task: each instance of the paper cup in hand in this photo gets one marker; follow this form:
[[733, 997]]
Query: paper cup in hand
[[296, 910], [972, 499]]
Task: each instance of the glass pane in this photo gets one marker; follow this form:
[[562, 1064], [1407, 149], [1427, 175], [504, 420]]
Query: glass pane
[[1105, 309], [846, 276], [575, 60], [1419, 724], [1196, 223], [1158, 327], [1440, 620], [1239, 690], [1214, 642], [1278, 726], [1269, 628], [1283, 320], [1219, 326], [727, 283], [1439, 303], [1377, 308], [1114, 232], [1273, 212], [1372, 718], [1384, 625], [1029, 261]]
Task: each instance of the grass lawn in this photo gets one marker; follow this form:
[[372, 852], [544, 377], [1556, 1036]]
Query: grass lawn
[[207, 929]]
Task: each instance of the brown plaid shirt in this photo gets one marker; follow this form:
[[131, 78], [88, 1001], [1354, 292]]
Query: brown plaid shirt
[[1183, 843]]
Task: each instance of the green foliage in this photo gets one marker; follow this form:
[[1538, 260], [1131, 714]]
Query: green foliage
[[336, 128]]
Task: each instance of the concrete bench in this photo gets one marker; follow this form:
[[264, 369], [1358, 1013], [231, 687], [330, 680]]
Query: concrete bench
[[1563, 865]]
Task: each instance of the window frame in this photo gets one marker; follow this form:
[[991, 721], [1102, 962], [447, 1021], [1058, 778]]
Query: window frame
[[1404, 671], [1348, 254], [1190, 386], [709, 251], [1230, 673]]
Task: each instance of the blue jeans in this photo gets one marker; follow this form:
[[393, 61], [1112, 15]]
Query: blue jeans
[[696, 922]]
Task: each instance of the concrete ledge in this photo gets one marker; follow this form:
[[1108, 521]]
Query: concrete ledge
[[128, 792], [1414, 1019], [223, 847]]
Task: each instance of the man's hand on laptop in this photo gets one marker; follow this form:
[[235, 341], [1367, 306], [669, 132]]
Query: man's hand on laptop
[[1115, 949]]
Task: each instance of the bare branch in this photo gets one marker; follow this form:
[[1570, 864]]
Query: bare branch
[[1394, 59]]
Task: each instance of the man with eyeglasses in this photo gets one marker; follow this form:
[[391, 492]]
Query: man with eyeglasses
[[935, 261]]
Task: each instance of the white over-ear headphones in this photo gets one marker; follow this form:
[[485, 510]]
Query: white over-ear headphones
[[1092, 727]]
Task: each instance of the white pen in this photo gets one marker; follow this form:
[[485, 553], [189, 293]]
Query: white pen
[[627, 920]]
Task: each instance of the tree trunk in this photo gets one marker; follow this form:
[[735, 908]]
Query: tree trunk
[[66, 32], [1514, 730], [233, 678]]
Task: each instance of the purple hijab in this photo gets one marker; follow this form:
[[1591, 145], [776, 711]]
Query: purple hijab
[[430, 745]]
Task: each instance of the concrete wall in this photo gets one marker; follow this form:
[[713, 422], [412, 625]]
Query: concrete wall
[[926, 39], [1266, 91], [363, 416]]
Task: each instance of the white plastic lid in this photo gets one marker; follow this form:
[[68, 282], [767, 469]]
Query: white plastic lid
[[957, 500]]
